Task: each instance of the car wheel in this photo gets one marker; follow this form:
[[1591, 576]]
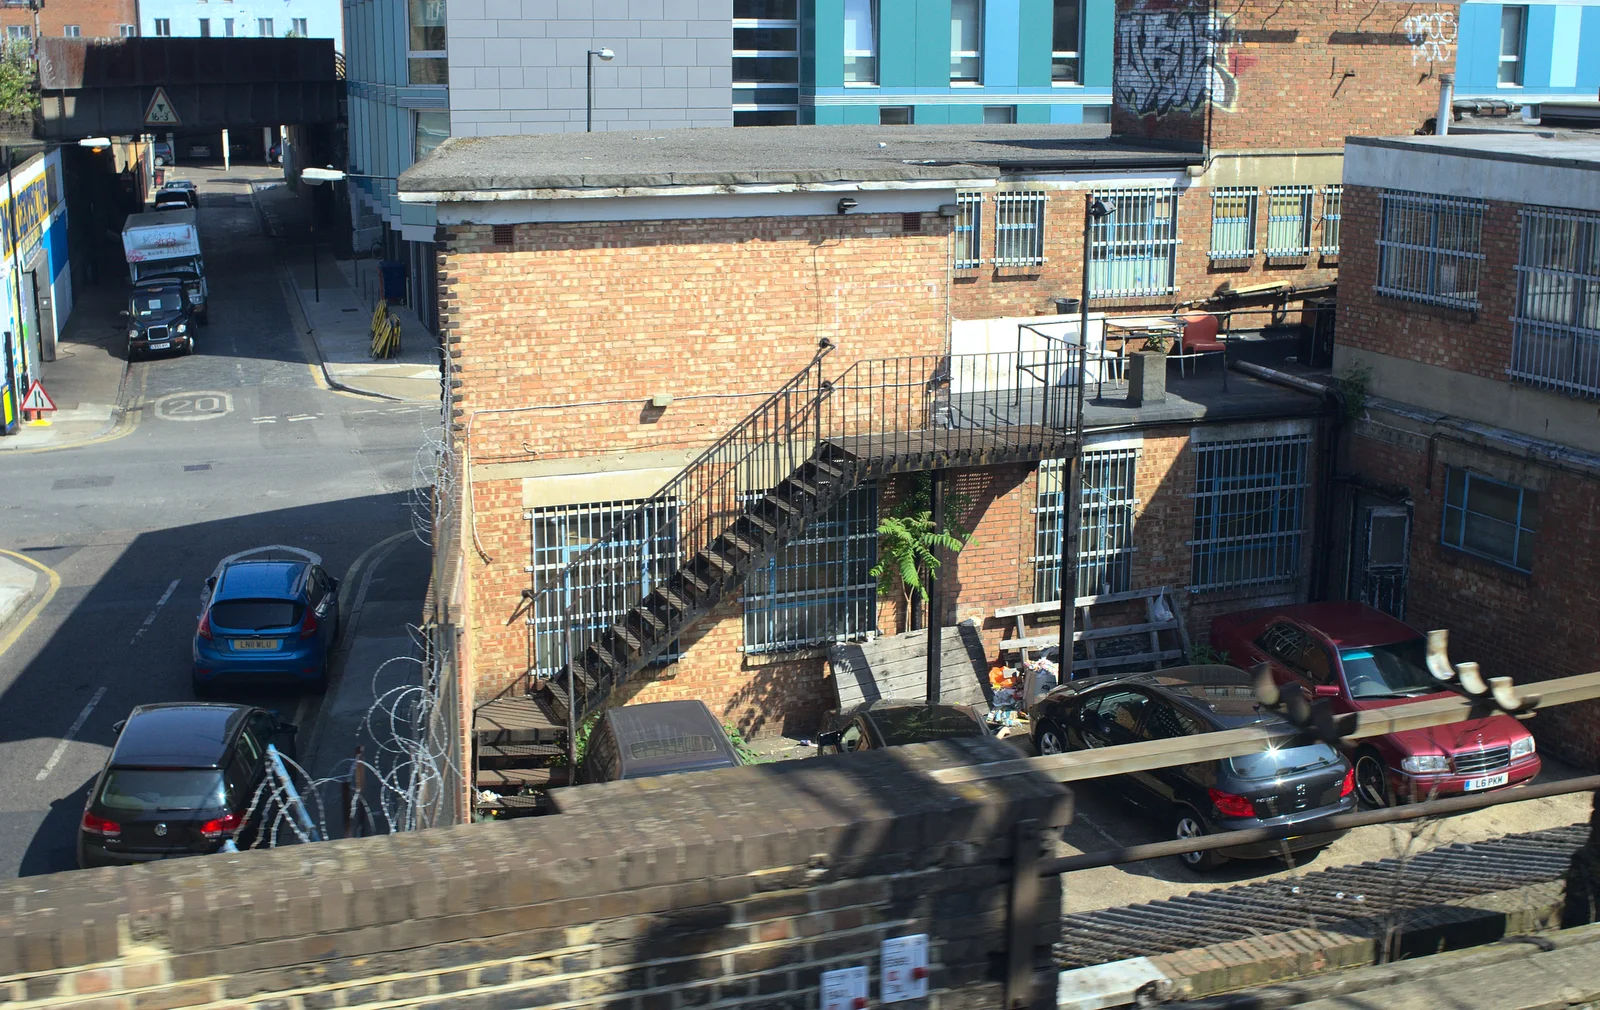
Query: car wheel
[[1372, 781], [1049, 739], [1187, 824]]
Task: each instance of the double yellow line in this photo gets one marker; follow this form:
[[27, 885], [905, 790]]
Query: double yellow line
[[10, 637]]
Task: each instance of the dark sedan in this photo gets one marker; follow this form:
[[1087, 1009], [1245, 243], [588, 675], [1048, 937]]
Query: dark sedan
[[887, 722], [1282, 785], [180, 782]]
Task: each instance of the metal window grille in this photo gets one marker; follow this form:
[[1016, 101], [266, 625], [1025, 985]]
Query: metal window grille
[[648, 553], [969, 231], [1249, 511], [819, 586], [1430, 248], [1332, 218], [1019, 229], [1233, 222], [1134, 250], [1105, 524], [1289, 220], [1489, 518], [1556, 329]]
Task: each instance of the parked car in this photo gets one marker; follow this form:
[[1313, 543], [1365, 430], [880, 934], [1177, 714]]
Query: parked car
[[1280, 785], [1360, 658], [159, 319], [161, 151], [889, 722], [199, 150], [658, 738], [179, 782], [266, 618], [176, 195]]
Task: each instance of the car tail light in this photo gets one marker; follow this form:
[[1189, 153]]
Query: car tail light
[[1348, 786], [227, 824], [97, 825], [204, 630], [1229, 805], [309, 628]]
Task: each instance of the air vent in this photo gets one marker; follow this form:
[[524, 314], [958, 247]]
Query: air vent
[[505, 234], [911, 222]]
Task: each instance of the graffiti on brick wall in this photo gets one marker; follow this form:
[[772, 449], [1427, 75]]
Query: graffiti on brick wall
[[1172, 59], [1431, 36]]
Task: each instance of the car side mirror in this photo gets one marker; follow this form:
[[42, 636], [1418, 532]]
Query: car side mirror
[[211, 583], [117, 726], [1325, 691], [286, 728], [830, 739], [123, 313]]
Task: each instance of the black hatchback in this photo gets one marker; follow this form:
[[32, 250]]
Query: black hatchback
[[1281, 785], [180, 782]]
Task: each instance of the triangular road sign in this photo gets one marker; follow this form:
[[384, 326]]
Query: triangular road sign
[[37, 398], [160, 111]]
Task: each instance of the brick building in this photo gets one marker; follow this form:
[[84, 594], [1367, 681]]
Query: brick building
[[1470, 314], [104, 19]]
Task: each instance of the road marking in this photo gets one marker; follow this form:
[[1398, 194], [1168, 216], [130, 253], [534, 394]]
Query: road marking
[[9, 638], [304, 417], [152, 618], [72, 731], [201, 405], [263, 420]]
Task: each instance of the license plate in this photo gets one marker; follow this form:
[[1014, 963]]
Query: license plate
[[161, 346], [266, 644], [1488, 782]]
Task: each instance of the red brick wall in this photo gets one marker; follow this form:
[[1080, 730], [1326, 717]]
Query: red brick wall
[[1527, 626], [1478, 343], [989, 292], [1295, 74], [94, 18]]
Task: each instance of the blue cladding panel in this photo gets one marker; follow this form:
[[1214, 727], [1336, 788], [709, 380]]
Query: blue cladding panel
[[1098, 30], [1564, 51], [1035, 21], [1540, 40], [1033, 113], [897, 43], [1478, 48], [826, 28], [1066, 113], [1000, 37], [1589, 50]]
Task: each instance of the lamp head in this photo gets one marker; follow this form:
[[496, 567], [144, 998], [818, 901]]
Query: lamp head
[[604, 54], [1098, 209]]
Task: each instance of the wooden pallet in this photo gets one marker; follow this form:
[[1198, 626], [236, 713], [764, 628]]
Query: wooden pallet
[[1161, 617]]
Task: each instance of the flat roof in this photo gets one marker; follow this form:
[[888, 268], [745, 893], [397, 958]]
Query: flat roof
[[1548, 168], [1527, 144], [463, 167]]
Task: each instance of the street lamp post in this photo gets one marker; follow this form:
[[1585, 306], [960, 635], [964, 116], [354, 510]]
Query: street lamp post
[[606, 55]]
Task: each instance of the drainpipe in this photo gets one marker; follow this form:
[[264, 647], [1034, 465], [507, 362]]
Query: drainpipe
[[1447, 87]]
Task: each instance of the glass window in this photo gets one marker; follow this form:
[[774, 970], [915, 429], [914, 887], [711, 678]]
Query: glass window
[[433, 128], [149, 306], [427, 26], [770, 10], [147, 790], [1249, 511], [1513, 23], [855, 738], [1066, 41], [128, 31], [1166, 722], [17, 33], [227, 28], [966, 34], [1134, 249], [766, 117], [298, 27], [993, 114], [1430, 248], [1556, 330], [163, 27], [205, 28], [920, 724], [71, 31], [894, 115], [1289, 221], [1387, 671], [969, 231], [1097, 113], [1113, 717], [264, 27], [255, 615], [1019, 229], [428, 70], [1105, 524], [1490, 518], [1233, 223], [861, 41], [818, 588]]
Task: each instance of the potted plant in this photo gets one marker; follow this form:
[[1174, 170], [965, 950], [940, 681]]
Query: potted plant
[[1147, 371]]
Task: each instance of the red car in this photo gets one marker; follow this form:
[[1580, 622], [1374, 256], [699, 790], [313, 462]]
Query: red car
[[1360, 658]]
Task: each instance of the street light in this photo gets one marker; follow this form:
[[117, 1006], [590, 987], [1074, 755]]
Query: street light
[[316, 177], [606, 55]]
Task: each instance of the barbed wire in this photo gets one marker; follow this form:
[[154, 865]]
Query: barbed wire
[[433, 483]]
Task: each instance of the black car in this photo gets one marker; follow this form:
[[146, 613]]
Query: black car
[[159, 319], [658, 738], [889, 722], [1277, 786], [180, 782], [176, 195]]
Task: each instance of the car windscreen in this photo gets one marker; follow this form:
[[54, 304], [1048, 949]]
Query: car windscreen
[[153, 790], [1277, 761], [916, 724], [256, 615], [149, 304], [1387, 671]]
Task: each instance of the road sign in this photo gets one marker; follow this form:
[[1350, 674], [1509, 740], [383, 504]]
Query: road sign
[[37, 398], [160, 111]]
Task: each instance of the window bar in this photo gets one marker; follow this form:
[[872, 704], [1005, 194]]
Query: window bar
[[1133, 250], [1289, 221], [1430, 248], [1233, 222], [969, 231], [1556, 327], [1332, 219]]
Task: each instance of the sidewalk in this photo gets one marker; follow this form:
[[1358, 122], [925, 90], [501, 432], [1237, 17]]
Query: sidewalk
[[17, 584], [85, 380], [336, 303]]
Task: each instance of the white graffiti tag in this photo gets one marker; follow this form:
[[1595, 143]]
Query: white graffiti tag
[[1169, 60], [1431, 35]]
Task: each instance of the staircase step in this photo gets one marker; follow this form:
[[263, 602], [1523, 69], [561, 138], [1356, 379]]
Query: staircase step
[[517, 721], [605, 656], [677, 601], [518, 751], [827, 468], [648, 617], [764, 525], [623, 632], [559, 703], [714, 558], [744, 545], [804, 488], [700, 585], [783, 505], [513, 778]]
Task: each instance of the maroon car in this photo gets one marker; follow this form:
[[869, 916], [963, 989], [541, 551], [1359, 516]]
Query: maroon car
[[1360, 658]]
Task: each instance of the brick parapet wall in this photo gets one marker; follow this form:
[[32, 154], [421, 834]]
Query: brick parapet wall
[[737, 886]]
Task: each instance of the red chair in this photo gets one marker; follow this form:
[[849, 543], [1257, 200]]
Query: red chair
[[1199, 337]]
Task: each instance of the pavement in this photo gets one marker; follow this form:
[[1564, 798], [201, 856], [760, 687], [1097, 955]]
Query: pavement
[[17, 584]]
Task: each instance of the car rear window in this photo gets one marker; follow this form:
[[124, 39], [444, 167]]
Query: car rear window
[[256, 615], [1276, 761], [149, 790], [654, 750], [916, 725]]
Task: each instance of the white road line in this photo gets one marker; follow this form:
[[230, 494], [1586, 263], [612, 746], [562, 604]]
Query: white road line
[[61, 748], [304, 417], [152, 618], [263, 420]]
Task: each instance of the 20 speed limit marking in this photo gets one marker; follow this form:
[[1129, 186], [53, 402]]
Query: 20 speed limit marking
[[203, 405]]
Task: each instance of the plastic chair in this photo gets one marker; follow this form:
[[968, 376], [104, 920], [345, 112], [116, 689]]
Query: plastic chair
[[1199, 337]]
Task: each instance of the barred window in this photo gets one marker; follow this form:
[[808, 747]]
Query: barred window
[[1249, 511], [1133, 251], [969, 231], [818, 587], [1430, 248], [1289, 221], [1233, 222], [1019, 229], [1490, 518], [1556, 329], [631, 566], [1332, 217], [1105, 525]]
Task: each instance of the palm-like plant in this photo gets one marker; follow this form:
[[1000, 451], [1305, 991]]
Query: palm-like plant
[[908, 540]]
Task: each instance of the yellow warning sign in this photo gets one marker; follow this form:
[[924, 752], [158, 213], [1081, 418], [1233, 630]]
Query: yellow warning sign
[[160, 111]]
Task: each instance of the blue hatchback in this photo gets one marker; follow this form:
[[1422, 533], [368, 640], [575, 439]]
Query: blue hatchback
[[266, 620]]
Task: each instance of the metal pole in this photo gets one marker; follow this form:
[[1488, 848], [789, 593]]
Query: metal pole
[[316, 278], [935, 649], [588, 104], [1083, 304]]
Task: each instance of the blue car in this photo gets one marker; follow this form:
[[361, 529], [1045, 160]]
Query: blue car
[[266, 619]]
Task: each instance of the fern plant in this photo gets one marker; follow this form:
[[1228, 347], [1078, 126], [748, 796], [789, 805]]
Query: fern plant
[[908, 540]]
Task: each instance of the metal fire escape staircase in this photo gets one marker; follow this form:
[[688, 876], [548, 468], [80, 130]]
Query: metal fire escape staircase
[[790, 460]]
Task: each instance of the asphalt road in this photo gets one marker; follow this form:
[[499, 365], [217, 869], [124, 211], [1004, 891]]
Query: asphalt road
[[236, 446]]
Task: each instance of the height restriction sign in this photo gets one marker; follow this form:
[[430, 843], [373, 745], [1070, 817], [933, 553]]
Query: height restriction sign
[[160, 111]]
